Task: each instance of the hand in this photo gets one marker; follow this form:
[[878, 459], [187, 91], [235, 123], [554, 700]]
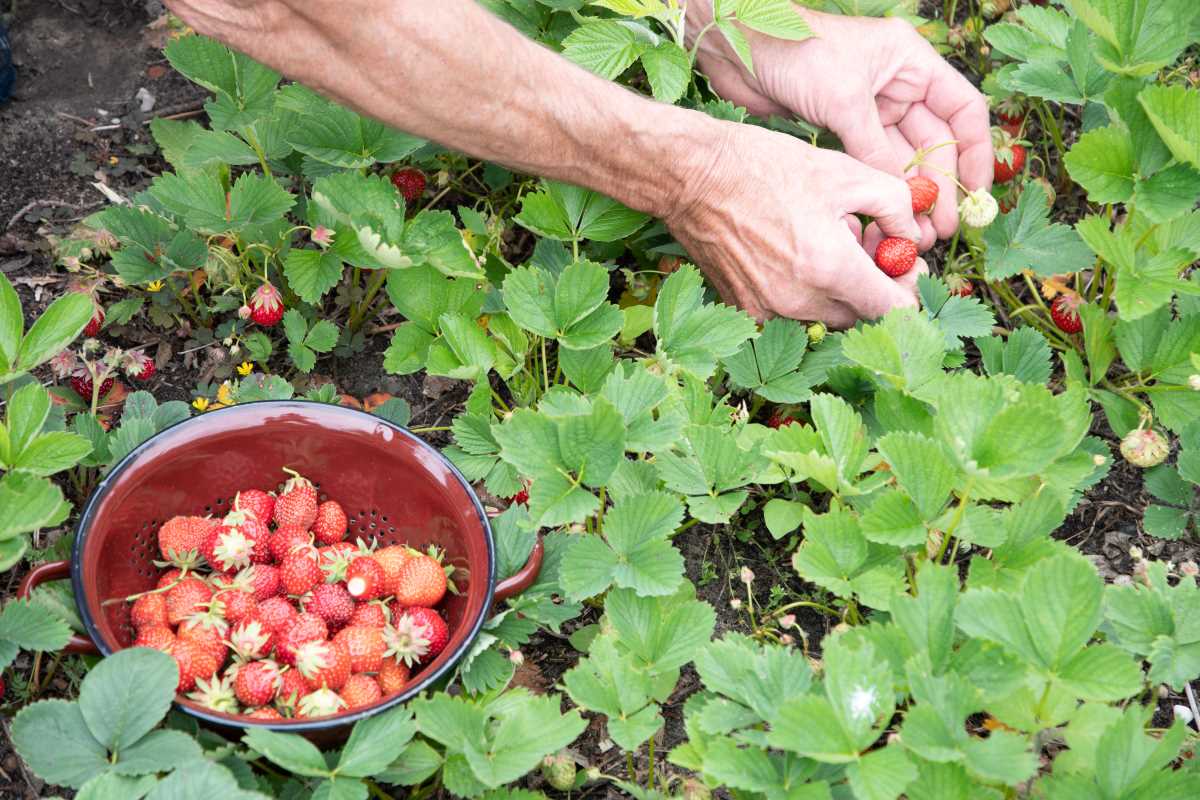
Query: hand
[[770, 220], [876, 84]]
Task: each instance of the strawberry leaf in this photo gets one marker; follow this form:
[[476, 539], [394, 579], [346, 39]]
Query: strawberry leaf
[[572, 308], [337, 136], [769, 365], [244, 88], [692, 334], [609, 682], [312, 273], [1024, 238], [569, 213], [1025, 355], [607, 47]]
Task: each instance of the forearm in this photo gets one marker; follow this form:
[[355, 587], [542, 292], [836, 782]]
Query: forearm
[[451, 72]]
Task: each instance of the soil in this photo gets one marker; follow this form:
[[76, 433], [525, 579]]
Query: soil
[[76, 121]]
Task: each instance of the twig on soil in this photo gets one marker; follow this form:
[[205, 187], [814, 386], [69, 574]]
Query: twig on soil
[[1191, 698], [30, 206], [179, 111], [73, 118]]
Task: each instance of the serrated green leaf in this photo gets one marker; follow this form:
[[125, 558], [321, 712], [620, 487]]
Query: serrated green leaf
[[127, 694], [75, 757], [312, 273], [1024, 238], [1101, 161], [605, 47]]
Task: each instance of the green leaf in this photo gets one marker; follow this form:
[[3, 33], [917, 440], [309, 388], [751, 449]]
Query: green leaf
[[31, 502], [1003, 757], [334, 789], [28, 409], [768, 365], [11, 323], [336, 136], [31, 627], [881, 774], [244, 88], [54, 330], [415, 764], [1174, 111], [669, 70], [75, 755], [664, 633], [201, 202], [158, 751], [312, 273], [565, 212], [1025, 239], [609, 683], [605, 47], [376, 742], [691, 333], [201, 780], [1102, 163], [1103, 673], [904, 349], [756, 676], [782, 516], [921, 469], [52, 452], [127, 694], [1024, 354], [290, 751], [1168, 193], [571, 308], [776, 18], [635, 552], [111, 786], [1139, 36]]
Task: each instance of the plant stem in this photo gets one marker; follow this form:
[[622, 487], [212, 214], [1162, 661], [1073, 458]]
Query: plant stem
[[958, 515], [358, 317]]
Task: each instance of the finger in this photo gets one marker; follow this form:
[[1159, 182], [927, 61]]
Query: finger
[[884, 197], [860, 284], [863, 136], [926, 131], [903, 148], [928, 235], [855, 226], [951, 97]]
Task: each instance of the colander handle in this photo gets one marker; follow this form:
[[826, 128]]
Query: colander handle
[[56, 571], [525, 576]]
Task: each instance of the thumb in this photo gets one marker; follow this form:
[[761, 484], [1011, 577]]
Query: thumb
[[864, 138], [884, 197]]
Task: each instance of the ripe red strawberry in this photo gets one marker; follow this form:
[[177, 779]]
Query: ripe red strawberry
[[297, 503], [159, 637], [391, 559], [324, 664], [959, 285], [365, 645], [895, 256], [292, 687], [335, 560], [258, 683], [92, 329], [1010, 156], [261, 579], [364, 578], [303, 629], [332, 603], [300, 571], [1011, 113], [422, 582], [149, 610], [436, 631], [373, 614], [266, 305], [207, 629], [777, 420], [239, 540], [251, 638], [189, 597], [168, 578], [321, 703], [407, 640], [181, 539], [410, 182], [266, 712], [393, 676], [238, 604], [1065, 313], [83, 385], [277, 613], [259, 503], [330, 524], [139, 366], [287, 538], [361, 691], [520, 498], [194, 661], [924, 194]]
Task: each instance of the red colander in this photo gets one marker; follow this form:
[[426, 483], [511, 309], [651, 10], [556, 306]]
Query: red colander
[[394, 487]]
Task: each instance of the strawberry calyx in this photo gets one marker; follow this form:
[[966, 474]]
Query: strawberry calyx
[[406, 640]]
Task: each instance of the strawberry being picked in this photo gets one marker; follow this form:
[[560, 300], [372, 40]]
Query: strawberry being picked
[[924, 194], [896, 256]]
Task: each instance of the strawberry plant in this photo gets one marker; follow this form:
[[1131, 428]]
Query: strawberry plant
[[916, 485]]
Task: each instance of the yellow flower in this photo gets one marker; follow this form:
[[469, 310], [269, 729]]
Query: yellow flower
[[200, 404], [225, 394], [154, 286], [113, 160], [245, 368]]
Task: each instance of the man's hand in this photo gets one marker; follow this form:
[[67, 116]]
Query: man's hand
[[876, 84], [770, 218]]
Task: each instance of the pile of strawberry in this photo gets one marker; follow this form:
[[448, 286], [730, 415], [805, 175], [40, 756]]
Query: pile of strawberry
[[270, 613]]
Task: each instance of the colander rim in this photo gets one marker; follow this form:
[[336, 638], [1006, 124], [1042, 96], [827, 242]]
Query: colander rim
[[83, 530]]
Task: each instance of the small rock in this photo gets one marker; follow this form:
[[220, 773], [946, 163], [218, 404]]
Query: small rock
[[434, 386], [145, 100]]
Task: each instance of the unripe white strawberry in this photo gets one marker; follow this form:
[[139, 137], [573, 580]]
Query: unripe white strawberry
[[978, 208], [1144, 447]]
